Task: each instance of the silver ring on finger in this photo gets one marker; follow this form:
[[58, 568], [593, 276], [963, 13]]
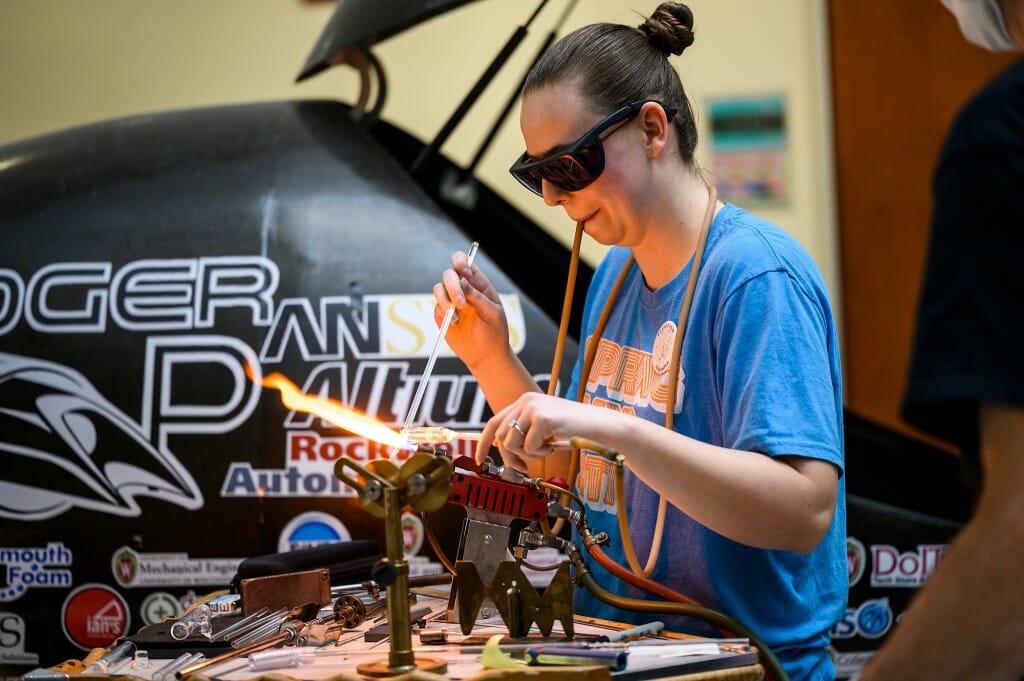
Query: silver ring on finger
[[515, 424]]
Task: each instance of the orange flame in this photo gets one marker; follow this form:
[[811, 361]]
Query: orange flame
[[332, 411]]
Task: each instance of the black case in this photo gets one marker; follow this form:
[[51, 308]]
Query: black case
[[349, 562]]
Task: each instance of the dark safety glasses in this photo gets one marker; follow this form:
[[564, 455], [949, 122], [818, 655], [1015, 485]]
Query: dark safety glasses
[[576, 165]]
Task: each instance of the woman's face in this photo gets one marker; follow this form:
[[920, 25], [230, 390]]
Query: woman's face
[[556, 115]]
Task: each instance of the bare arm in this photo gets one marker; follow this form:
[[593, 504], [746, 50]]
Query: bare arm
[[784, 502], [968, 621]]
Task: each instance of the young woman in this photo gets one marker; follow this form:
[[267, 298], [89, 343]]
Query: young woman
[[733, 439]]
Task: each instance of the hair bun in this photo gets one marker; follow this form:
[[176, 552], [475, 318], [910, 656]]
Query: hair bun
[[669, 28]]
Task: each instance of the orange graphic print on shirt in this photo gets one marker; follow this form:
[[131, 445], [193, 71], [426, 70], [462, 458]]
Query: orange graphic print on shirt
[[632, 384], [630, 378]]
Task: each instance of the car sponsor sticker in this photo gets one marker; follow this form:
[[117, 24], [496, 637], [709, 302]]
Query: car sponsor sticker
[[12, 641], [34, 568], [94, 616], [312, 528], [133, 569]]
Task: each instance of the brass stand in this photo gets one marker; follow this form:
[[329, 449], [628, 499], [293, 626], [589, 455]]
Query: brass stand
[[422, 483]]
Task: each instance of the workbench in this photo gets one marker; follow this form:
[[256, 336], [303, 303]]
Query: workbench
[[668, 656]]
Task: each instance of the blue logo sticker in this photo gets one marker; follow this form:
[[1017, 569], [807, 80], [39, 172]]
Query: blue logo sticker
[[310, 529], [872, 619]]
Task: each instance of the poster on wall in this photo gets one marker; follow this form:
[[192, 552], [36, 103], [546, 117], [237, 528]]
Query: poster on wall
[[748, 149]]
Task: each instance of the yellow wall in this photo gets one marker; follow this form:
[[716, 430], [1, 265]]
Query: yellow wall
[[68, 62]]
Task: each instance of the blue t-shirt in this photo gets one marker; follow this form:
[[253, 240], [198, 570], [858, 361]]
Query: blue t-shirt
[[760, 372]]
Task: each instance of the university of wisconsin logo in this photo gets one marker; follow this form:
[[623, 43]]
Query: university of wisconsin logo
[[125, 565]]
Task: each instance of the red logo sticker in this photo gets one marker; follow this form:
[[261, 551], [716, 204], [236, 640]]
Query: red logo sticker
[[94, 616]]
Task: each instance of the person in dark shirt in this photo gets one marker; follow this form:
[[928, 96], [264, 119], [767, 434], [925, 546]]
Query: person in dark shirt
[[966, 380]]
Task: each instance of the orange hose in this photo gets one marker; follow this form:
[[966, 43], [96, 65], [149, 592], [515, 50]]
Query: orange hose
[[648, 585]]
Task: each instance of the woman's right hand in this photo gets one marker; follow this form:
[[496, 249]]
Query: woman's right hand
[[479, 327]]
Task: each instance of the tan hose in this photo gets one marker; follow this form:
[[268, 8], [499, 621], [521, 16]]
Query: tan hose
[[674, 368], [556, 364]]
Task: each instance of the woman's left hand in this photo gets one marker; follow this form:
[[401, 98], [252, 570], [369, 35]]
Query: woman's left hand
[[525, 430]]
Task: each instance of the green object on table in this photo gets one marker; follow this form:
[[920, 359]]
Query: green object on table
[[493, 658]]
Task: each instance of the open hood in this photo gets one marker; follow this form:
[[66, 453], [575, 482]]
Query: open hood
[[362, 23]]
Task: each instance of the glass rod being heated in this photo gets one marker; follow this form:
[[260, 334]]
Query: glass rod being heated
[[437, 435], [441, 331]]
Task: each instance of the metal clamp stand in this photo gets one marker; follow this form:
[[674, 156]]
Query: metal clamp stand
[[423, 483]]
